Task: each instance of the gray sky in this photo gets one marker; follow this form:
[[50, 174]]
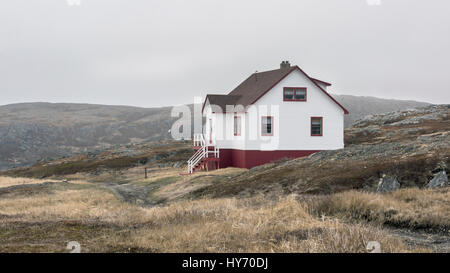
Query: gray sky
[[154, 53]]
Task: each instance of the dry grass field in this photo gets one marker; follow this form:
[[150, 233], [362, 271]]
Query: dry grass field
[[407, 208], [87, 212], [14, 181]]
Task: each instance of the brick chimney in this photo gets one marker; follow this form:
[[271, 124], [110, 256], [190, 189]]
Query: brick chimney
[[285, 64]]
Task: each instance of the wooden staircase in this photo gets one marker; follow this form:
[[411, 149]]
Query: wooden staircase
[[203, 155]]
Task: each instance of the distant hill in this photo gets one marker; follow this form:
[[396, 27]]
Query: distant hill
[[359, 107], [30, 132]]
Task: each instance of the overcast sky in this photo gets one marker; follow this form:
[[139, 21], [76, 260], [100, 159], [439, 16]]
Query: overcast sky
[[155, 53]]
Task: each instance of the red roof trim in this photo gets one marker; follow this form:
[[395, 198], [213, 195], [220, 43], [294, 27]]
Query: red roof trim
[[204, 103], [326, 93], [322, 82], [315, 83]]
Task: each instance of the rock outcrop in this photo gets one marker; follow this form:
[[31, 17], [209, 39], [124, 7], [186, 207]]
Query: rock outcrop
[[388, 184], [440, 180]]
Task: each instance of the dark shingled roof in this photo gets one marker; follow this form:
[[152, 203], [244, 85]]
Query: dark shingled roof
[[222, 101], [258, 84]]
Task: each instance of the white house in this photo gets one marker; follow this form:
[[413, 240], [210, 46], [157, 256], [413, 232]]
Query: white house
[[282, 113]]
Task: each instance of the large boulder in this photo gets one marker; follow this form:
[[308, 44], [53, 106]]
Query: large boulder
[[439, 180], [388, 184]]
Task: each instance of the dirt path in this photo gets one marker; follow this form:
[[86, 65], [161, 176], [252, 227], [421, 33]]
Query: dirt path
[[436, 242], [131, 193], [141, 194]]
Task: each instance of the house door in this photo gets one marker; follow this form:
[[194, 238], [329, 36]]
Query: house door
[[210, 131]]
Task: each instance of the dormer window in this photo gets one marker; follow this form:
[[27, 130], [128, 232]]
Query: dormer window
[[294, 94]]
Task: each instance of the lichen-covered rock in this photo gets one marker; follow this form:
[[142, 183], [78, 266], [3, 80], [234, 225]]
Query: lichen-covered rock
[[440, 180], [388, 184], [178, 164]]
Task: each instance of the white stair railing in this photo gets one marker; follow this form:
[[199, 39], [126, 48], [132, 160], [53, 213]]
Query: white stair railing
[[196, 158], [199, 141], [216, 152]]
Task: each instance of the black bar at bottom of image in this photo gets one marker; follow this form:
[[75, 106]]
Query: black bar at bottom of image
[[223, 262]]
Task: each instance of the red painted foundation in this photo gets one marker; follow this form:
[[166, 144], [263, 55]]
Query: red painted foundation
[[251, 158]]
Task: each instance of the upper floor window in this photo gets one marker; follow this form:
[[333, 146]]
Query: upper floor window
[[316, 126], [237, 126], [294, 94], [289, 93], [267, 126]]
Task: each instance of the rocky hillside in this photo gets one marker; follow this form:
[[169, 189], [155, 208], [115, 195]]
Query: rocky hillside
[[31, 132], [116, 158], [359, 107]]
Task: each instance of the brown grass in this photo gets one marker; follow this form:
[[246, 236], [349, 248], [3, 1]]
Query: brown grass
[[408, 208], [190, 183], [253, 225], [168, 153], [14, 181], [101, 223]]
